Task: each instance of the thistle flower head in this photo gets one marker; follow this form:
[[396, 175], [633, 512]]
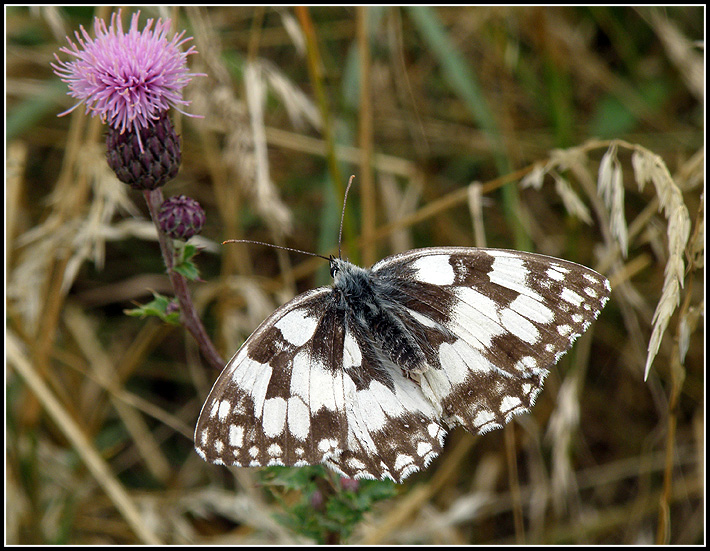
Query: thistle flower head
[[130, 78]]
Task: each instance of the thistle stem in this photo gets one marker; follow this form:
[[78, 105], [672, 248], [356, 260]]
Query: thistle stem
[[188, 314]]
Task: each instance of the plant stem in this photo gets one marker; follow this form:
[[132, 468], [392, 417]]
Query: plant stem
[[188, 314]]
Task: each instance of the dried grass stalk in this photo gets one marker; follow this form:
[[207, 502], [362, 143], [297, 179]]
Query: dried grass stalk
[[650, 167]]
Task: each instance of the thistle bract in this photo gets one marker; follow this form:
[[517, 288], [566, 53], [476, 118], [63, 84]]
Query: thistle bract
[[146, 159]]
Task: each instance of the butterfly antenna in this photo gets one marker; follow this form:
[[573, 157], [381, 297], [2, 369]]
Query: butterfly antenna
[[342, 216], [274, 246]]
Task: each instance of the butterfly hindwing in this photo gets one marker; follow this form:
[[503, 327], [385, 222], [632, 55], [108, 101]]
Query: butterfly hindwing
[[308, 387], [393, 430]]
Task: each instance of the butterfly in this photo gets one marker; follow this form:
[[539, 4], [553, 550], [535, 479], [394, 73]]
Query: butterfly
[[367, 376]]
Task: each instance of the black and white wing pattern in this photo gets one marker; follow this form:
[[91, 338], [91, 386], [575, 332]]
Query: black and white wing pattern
[[367, 376]]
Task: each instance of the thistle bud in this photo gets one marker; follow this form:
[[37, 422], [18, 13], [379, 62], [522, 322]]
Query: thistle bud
[[181, 217]]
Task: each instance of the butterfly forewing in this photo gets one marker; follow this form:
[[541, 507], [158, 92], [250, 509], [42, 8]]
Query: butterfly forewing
[[279, 401], [366, 376]]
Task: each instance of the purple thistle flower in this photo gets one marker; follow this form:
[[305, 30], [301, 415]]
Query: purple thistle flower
[[128, 79]]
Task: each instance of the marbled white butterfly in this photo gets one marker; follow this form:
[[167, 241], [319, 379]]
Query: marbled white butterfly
[[368, 375]]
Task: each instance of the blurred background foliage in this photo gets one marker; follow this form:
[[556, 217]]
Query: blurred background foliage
[[418, 103]]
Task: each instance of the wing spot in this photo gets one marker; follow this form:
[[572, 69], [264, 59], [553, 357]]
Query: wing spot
[[519, 326], [510, 272], [299, 418], [402, 461], [570, 296], [423, 448], [425, 321], [224, 407], [297, 327], [236, 436], [532, 309], [355, 464], [435, 269], [327, 445], [352, 355], [483, 417], [274, 450], [553, 272], [591, 292], [274, 416], [526, 363], [406, 471], [509, 403]]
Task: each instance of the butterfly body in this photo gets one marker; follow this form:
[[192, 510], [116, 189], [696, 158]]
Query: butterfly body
[[366, 376], [371, 304]]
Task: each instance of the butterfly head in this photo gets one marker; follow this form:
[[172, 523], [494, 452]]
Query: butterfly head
[[334, 266], [340, 269], [349, 278]]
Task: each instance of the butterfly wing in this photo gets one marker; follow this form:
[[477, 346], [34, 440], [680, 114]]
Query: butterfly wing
[[280, 400], [393, 430], [308, 387], [497, 321]]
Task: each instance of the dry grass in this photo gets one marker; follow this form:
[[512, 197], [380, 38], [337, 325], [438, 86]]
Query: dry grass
[[560, 117]]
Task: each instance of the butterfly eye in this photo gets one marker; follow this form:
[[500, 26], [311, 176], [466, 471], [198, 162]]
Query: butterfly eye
[[334, 267]]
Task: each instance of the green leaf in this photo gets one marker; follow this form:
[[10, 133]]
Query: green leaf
[[184, 264], [161, 307]]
